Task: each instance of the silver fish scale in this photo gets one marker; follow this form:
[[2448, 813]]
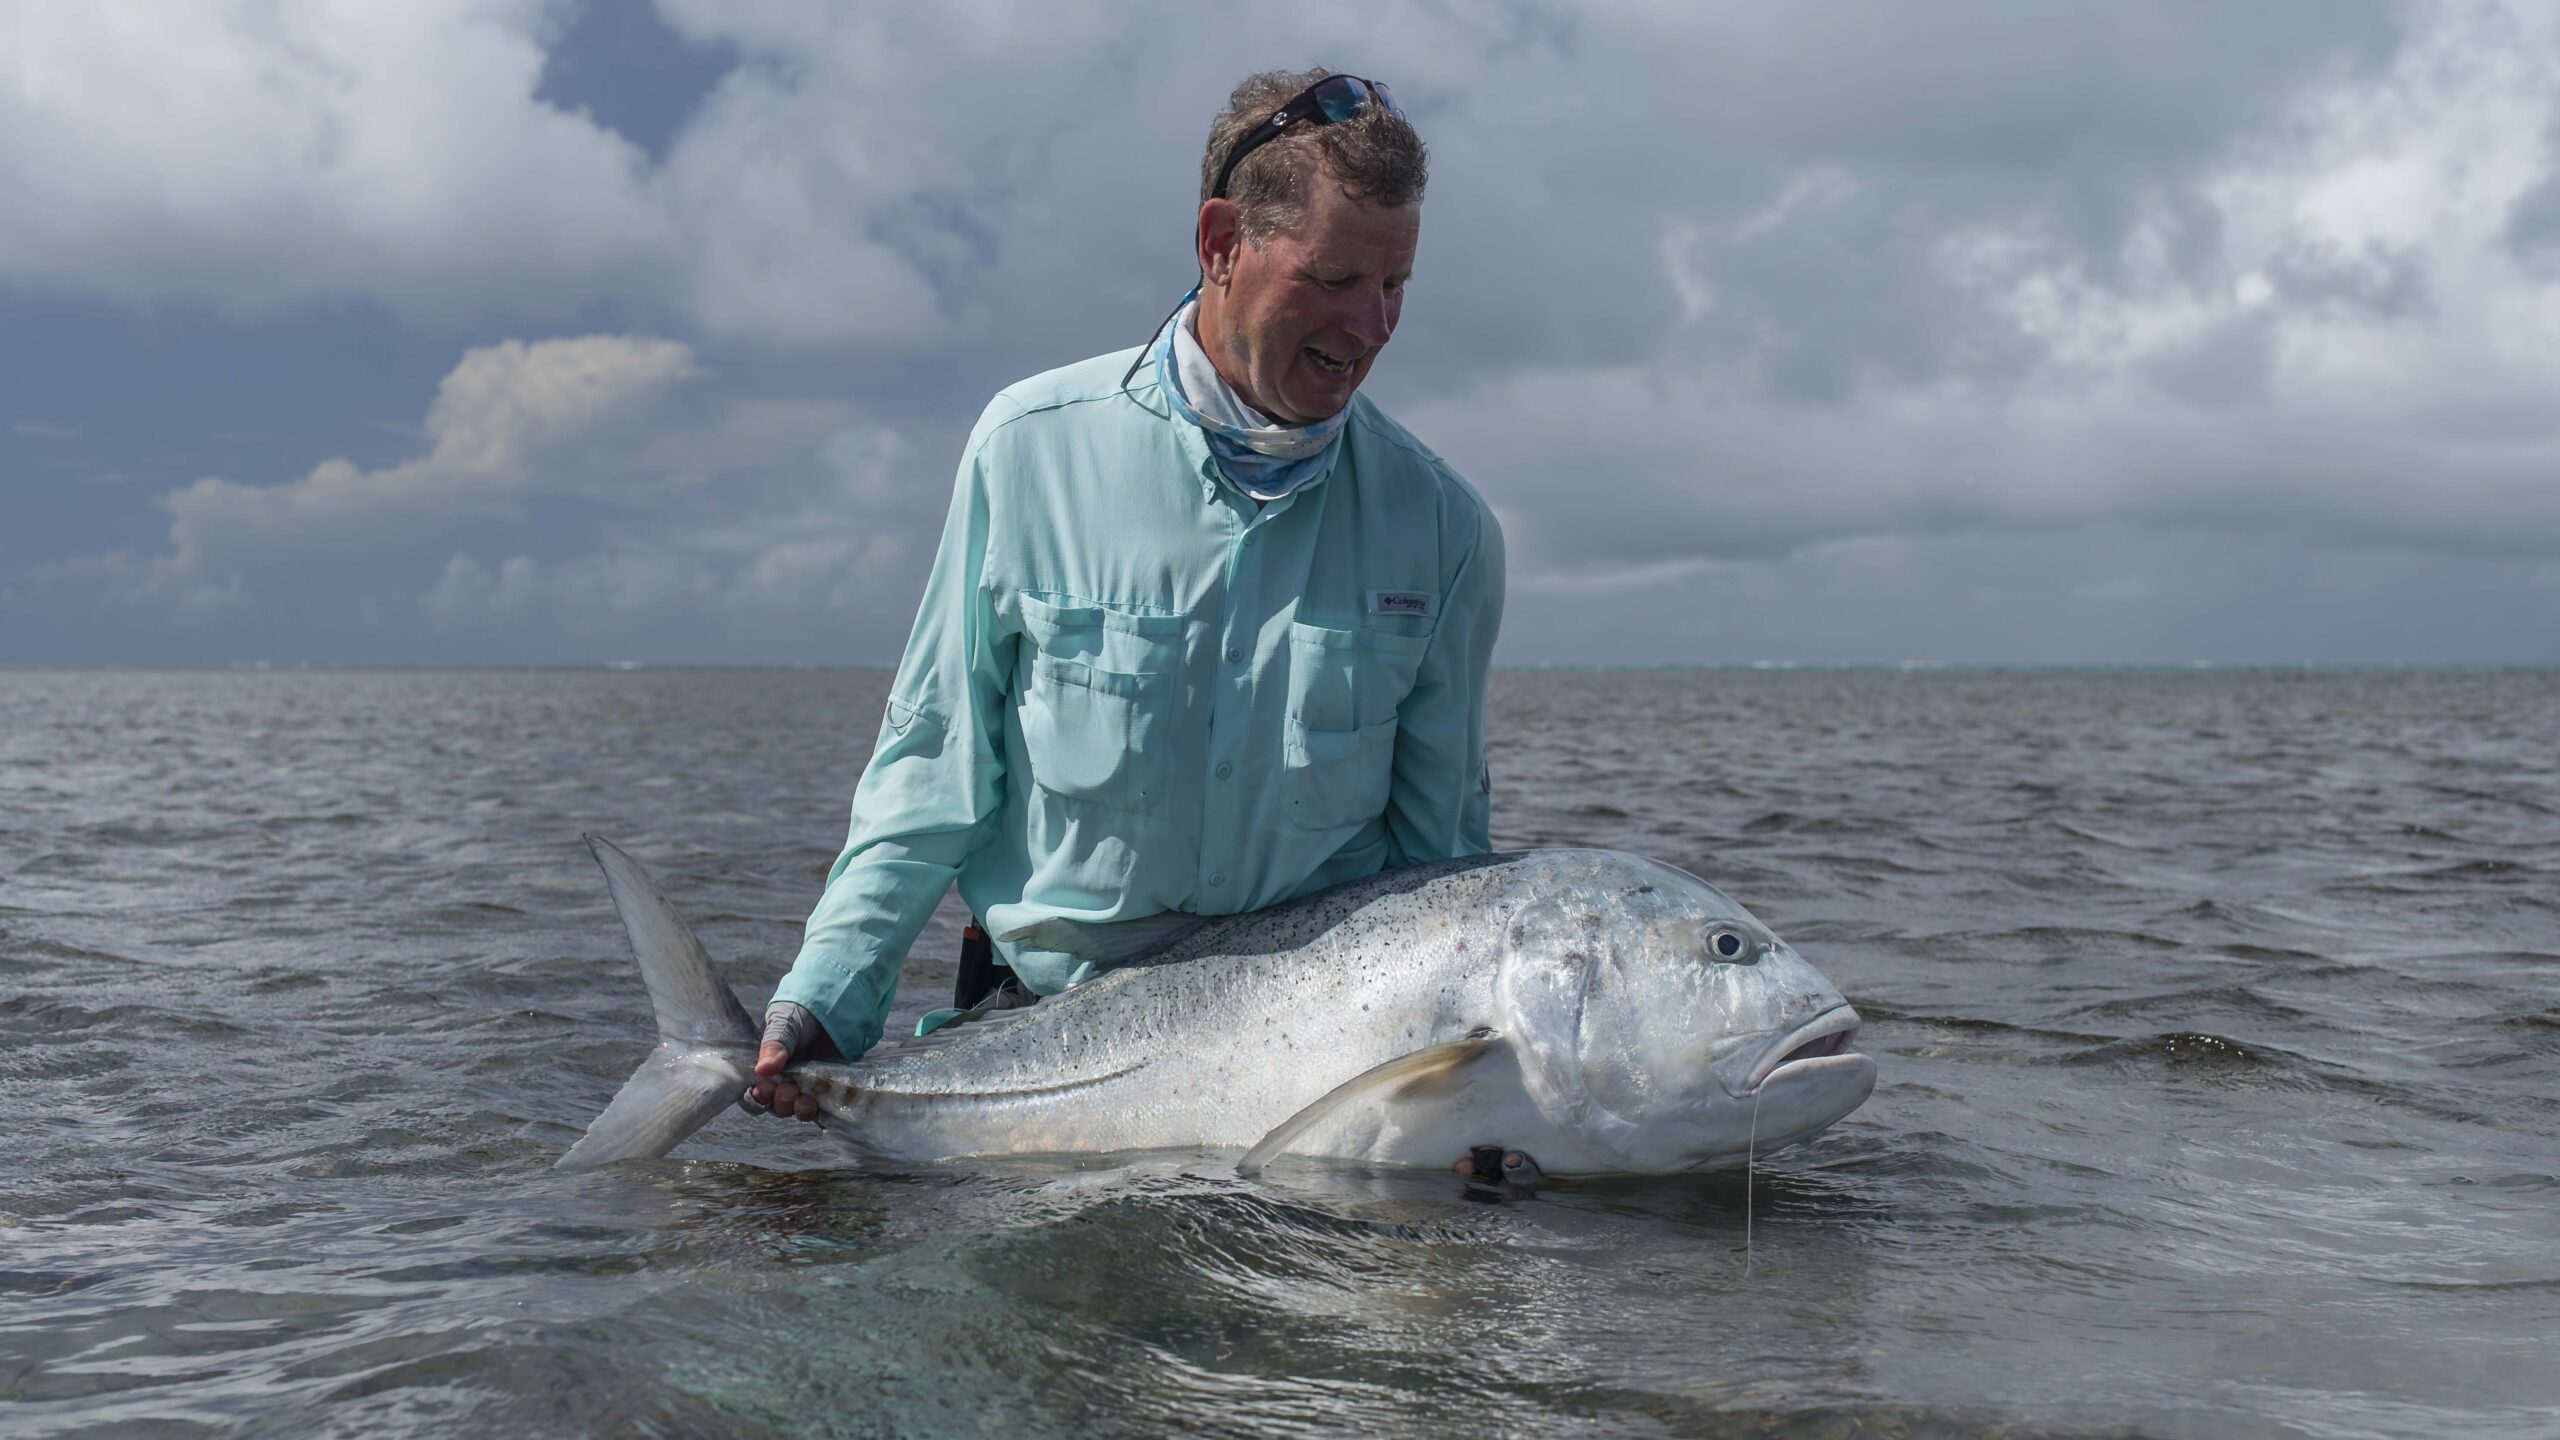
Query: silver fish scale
[[1221, 1036]]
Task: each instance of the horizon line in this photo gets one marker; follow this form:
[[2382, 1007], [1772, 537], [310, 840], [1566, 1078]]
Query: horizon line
[[1718, 666]]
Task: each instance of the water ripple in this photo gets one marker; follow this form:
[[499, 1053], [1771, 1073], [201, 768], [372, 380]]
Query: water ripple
[[2214, 1013]]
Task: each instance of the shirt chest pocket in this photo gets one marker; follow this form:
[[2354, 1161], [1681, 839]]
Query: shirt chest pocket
[[1338, 749], [1093, 689]]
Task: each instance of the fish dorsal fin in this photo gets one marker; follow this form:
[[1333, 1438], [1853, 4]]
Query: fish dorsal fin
[[962, 1027], [1005, 998], [1106, 943], [885, 1072], [1377, 1080]]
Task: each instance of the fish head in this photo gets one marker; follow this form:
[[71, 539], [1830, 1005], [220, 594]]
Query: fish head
[[1664, 1024]]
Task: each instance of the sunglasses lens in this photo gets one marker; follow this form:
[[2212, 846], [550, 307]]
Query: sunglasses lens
[[1339, 96]]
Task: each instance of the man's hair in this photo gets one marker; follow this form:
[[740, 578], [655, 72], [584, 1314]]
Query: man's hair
[[1373, 156]]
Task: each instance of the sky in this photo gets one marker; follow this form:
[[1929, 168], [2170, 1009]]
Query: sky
[[1983, 331]]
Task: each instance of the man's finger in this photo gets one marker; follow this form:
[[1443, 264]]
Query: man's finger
[[806, 1107], [788, 1031]]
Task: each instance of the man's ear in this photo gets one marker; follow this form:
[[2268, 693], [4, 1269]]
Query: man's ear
[[1218, 238]]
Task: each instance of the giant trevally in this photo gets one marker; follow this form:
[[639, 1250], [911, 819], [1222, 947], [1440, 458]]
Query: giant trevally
[[1603, 1012]]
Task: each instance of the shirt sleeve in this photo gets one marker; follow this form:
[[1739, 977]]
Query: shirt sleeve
[[1440, 801], [931, 792]]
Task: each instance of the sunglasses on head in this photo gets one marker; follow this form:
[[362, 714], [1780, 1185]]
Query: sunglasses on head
[[1329, 101]]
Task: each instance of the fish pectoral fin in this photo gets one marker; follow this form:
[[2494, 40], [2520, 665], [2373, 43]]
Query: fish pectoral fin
[[1398, 1077], [1107, 943]]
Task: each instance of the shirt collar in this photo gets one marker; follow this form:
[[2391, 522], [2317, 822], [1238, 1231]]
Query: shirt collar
[[1264, 461]]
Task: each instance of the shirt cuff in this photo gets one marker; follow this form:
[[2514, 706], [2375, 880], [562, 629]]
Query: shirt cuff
[[846, 999]]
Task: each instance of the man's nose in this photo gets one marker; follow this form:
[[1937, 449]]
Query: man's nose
[[1371, 318]]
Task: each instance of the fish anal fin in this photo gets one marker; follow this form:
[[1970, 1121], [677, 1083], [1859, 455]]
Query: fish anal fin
[[1422, 1072]]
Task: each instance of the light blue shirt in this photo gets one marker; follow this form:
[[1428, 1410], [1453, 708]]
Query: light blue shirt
[[1131, 690]]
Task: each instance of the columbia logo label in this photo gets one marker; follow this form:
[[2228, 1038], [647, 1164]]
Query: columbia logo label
[[1400, 602]]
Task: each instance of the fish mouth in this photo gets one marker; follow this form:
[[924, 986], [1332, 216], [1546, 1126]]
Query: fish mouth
[[1820, 1038]]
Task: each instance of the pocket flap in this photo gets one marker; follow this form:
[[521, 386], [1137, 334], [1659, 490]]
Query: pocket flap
[[1060, 671], [1048, 616], [1318, 745], [1362, 637]]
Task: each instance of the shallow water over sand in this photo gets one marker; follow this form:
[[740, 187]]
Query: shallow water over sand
[[2219, 1018]]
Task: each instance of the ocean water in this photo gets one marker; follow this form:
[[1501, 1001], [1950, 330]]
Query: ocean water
[[2218, 1018]]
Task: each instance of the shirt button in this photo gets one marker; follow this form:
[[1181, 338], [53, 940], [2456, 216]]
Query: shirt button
[[1217, 878], [1225, 769], [1235, 654]]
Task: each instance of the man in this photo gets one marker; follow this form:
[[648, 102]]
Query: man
[[1207, 631]]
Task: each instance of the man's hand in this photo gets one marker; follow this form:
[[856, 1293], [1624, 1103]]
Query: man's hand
[[789, 1033], [1510, 1173]]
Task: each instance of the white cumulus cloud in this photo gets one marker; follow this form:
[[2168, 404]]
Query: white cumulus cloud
[[253, 153], [497, 419], [2317, 331]]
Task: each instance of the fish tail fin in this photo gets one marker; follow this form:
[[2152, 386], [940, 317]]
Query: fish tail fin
[[675, 1092], [706, 1044]]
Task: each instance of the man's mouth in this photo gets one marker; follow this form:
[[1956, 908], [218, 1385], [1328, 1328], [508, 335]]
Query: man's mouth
[[1327, 363]]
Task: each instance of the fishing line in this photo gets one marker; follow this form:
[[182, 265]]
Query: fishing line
[[1750, 1166]]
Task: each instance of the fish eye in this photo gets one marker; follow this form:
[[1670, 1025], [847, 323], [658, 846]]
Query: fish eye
[[1727, 942]]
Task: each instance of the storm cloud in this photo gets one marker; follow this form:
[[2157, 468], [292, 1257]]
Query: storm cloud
[[1828, 331]]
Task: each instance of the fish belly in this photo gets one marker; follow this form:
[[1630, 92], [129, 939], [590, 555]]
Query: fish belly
[[1429, 1126]]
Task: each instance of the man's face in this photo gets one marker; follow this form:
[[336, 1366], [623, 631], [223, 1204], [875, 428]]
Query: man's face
[[1295, 322]]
